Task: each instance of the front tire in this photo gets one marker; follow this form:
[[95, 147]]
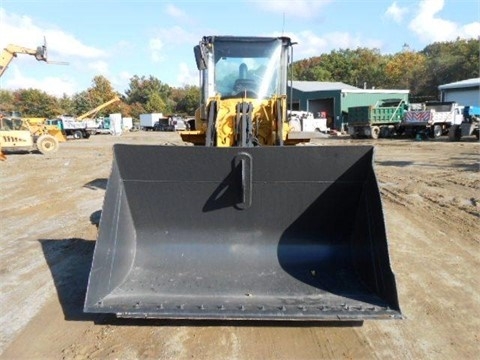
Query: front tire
[[47, 144], [437, 131], [375, 132], [77, 134], [454, 133]]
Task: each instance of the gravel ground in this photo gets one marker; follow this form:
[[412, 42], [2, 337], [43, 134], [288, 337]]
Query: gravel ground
[[50, 206]]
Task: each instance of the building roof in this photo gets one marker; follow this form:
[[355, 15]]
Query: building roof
[[475, 82], [310, 86]]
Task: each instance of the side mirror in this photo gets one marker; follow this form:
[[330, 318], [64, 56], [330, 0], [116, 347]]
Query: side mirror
[[200, 57]]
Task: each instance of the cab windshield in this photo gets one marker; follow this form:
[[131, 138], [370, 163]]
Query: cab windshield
[[246, 69]]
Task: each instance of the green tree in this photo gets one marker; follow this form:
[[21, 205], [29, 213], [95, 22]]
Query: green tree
[[66, 105], [311, 69], [7, 101], [141, 90], [136, 109], [155, 103], [99, 93], [81, 103], [354, 67], [36, 103], [405, 70], [450, 61], [368, 68], [187, 99]]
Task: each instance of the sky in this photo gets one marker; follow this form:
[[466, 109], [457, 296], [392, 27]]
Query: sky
[[122, 38]]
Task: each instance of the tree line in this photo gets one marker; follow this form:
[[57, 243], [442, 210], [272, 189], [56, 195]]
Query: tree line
[[421, 72], [144, 95]]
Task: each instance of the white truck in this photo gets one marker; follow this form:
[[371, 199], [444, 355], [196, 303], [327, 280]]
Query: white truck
[[433, 119], [147, 121], [305, 121], [70, 126], [127, 124], [468, 125]]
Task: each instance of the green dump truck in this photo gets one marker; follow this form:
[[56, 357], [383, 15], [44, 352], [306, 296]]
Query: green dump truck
[[374, 121]]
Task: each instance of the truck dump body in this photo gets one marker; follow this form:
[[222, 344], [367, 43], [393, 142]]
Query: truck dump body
[[266, 233], [374, 115]]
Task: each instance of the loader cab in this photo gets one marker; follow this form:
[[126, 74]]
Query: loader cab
[[239, 67]]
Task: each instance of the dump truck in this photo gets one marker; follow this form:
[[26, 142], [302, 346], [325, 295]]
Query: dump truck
[[245, 225], [467, 125], [71, 126], [378, 120], [432, 119]]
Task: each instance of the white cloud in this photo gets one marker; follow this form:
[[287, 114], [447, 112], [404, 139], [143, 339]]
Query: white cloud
[[156, 46], [125, 75], [121, 81], [431, 28], [292, 8], [56, 86], [186, 75], [175, 12], [100, 67], [396, 12], [169, 37], [62, 46], [22, 31], [310, 44]]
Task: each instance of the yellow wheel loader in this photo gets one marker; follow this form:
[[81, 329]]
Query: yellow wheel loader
[[16, 135], [38, 127], [244, 225]]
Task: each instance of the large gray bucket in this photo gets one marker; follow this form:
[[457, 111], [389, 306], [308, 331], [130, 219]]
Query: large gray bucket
[[271, 233]]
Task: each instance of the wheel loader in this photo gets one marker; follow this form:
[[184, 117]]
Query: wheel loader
[[246, 224], [17, 135]]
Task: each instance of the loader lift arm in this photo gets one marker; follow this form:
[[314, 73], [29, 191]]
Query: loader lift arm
[[12, 50]]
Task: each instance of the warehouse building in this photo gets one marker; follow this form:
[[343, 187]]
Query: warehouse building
[[465, 92], [332, 99]]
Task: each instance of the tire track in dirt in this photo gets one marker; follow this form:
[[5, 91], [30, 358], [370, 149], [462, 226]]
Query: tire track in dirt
[[432, 255]]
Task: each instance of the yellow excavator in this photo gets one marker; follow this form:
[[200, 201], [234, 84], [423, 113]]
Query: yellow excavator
[[246, 225]]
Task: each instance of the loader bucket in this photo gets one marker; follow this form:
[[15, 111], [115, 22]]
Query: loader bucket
[[263, 233]]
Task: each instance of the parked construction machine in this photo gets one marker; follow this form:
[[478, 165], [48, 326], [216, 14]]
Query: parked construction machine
[[39, 126], [16, 134], [244, 225]]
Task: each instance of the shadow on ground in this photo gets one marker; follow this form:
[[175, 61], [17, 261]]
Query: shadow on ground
[[99, 183], [69, 261]]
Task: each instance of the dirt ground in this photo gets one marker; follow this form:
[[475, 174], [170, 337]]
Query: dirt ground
[[48, 215]]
